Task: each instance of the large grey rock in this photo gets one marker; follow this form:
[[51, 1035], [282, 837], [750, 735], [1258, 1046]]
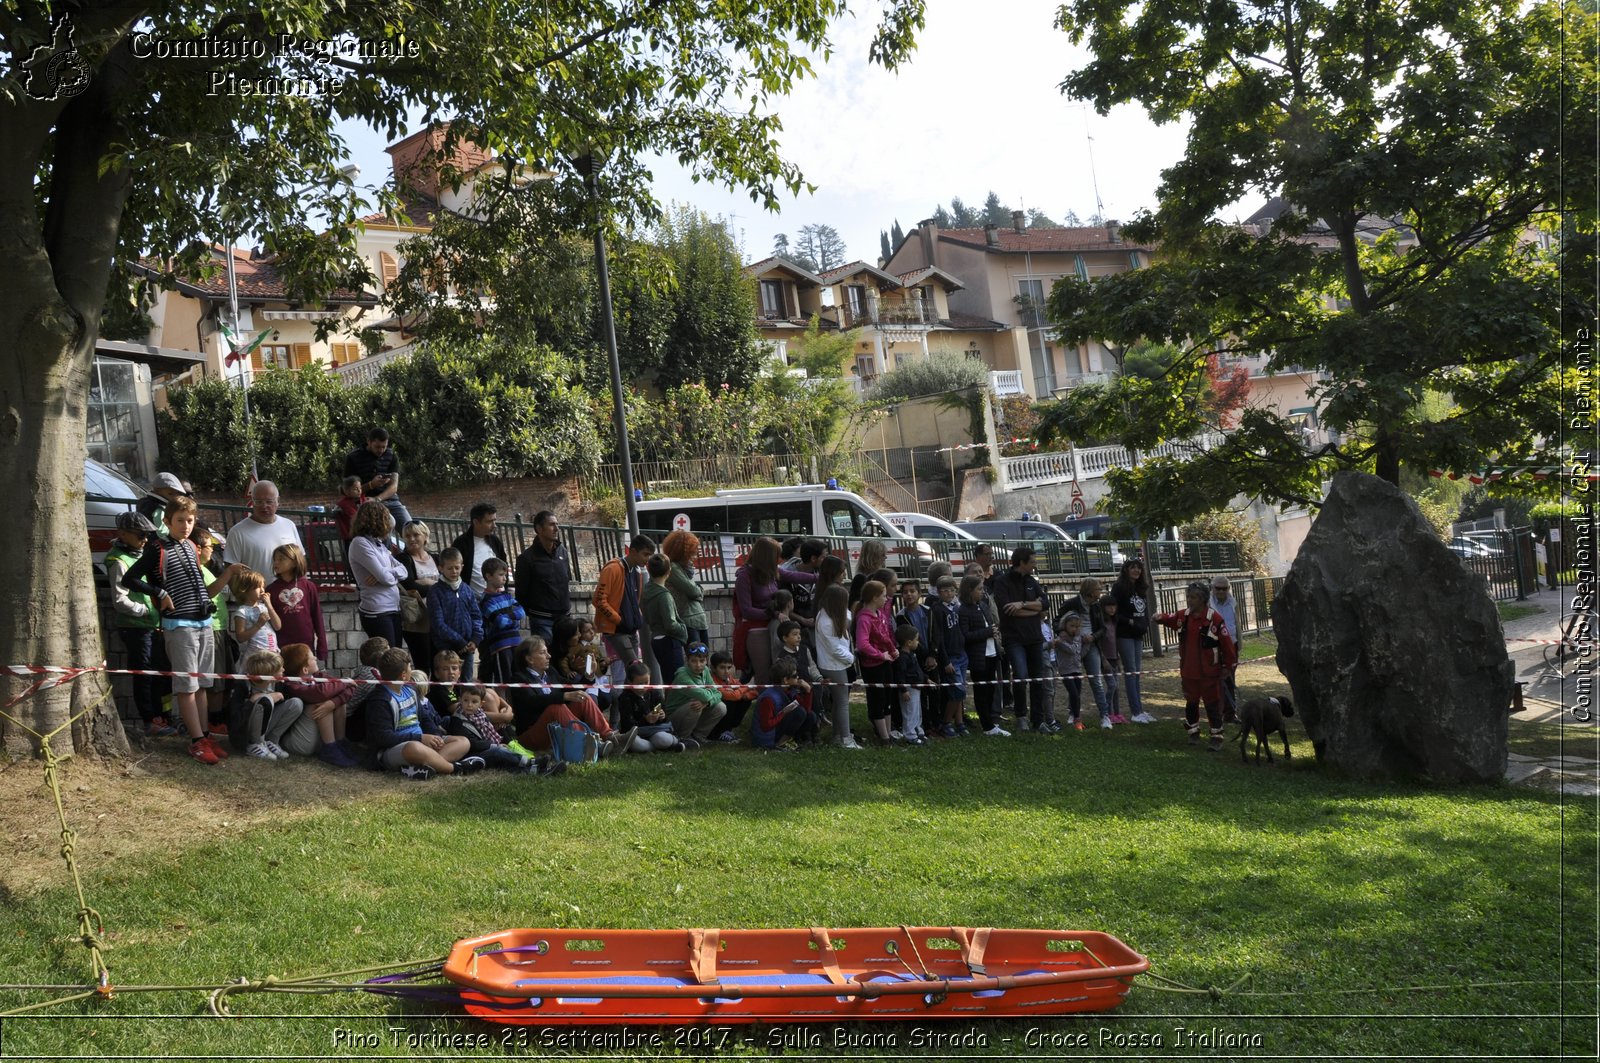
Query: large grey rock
[[1393, 649]]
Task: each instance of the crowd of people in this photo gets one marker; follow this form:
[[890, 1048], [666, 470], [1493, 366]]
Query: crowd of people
[[472, 657]]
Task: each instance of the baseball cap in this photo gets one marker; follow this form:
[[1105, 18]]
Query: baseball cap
[[131, 521], [697, 649], [169, 481]]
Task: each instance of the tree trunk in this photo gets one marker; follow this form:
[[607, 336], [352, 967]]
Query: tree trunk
[[48, 610]]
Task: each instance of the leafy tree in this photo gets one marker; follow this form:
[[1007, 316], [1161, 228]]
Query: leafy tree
[[780, 245], [1230, 525], [823, 246], [995, 212], [1071, 220], [934, 375], [1415, 141], [1038, 219], [941, 218], [817, 415], [711, 308], [138, 157], [963, 216]]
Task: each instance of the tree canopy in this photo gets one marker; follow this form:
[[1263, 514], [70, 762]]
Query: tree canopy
[[1426, 219], [181, 124]]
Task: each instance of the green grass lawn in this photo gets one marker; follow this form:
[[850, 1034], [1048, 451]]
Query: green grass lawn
[[1316, 887], [1510, 611]]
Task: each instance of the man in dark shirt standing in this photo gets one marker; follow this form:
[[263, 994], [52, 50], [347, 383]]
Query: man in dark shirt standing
[[1021, 601], [544, 577], [379, 469]]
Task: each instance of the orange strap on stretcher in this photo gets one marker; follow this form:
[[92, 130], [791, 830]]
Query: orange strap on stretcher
[[974, 942], [703, 948], [829, 958]]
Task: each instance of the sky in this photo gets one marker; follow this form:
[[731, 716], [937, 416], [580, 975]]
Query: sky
[[976, 109]]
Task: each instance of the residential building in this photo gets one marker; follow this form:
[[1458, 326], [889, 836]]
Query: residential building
[[1005, 275]]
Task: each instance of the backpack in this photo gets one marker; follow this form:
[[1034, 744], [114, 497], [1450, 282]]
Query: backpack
[[574, 743]]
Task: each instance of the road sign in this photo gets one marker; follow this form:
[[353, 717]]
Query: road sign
[[680, 522], [1076, 508]]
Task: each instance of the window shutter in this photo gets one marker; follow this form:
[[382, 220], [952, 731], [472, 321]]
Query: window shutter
[[299, 355], [388, 269], [255, 360]]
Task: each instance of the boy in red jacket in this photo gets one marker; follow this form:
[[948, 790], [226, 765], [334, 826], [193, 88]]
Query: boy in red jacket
[[1206, 653]]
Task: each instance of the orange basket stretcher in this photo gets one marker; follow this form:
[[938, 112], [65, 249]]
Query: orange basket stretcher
[[609, 977]]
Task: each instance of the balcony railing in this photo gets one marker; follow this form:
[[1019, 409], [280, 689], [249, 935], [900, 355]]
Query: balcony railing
[[883, 315], [365, 370], [1089, 463], [1006, 383]]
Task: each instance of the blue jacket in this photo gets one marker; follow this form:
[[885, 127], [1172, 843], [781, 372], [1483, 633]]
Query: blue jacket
[[454, 614], [949, 641]]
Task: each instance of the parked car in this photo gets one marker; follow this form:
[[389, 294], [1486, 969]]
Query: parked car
[[810, 509], [110, 493], [1468, 547], [1055, 552]]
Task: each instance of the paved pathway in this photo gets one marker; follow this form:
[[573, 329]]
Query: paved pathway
[[1549, 700]]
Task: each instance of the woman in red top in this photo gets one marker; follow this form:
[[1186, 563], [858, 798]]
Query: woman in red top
[[1206, 653]]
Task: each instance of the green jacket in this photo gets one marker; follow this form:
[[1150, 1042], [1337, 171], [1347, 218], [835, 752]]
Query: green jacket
[[691, 688], [689, 596], [661, 613], [130, 608]]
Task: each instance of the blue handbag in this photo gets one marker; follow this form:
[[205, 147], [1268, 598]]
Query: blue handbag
[[574, 743]]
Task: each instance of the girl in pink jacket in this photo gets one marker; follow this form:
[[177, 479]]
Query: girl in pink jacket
[[876, 652]]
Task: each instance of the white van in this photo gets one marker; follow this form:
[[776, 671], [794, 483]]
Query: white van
[[922, 526], [810, 509]]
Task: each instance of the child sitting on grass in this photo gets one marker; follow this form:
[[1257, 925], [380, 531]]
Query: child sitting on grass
[[366, 685], [268, 714], [396, 733], [694, 704], [780, 721], [537, 705], [737, 697], [791, 647], [469, 722], [321, 727], [642, 709]]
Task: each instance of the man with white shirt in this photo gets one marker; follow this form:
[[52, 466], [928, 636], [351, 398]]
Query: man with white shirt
[[1222, 601], [253, 539], [478, 544]]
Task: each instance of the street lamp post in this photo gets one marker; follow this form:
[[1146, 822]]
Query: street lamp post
[[589, 167]]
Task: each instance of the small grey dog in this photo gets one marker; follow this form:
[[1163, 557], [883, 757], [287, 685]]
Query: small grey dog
[[1261, 717]]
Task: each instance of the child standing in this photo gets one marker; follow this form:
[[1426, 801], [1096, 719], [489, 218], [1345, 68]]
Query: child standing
[[1070, 642], [268, 714], [668, 633], [1205, 653], [910, 683], [641, 707], [983, 653], [791, 647], [834, 656], [914, 611], [396, 733], [950, 656], [737, 696], [502, 623], [350, 499], [781, 722], [453, 611], [877, 650], [138, 623], [1105, 638], [255, 622], [296, 601], [169, 573]]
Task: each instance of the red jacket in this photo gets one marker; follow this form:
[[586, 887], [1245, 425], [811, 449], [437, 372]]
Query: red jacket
[[1205, 649], [315, 689]]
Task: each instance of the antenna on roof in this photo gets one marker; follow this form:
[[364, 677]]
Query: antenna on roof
[[1099, 207]]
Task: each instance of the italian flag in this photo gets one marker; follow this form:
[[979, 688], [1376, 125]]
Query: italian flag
[[238, 353]]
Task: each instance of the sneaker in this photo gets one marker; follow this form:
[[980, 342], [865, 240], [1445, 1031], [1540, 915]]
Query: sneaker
[[625, 743], [1215, 745], [259, 749], [998, 732], [277, 751], [691, 744], [848, 742], [416, 773], [1143, 717], [1077, 725], [549, 766], [788, 745], [468, 765], [727, 736], [1194, 737], [218, 751], [962, 731], [1117, 717], [898, 736], [924, 734], [160, 728], [1051, 727], [947, 731], [217, 730], [521, 750], [201, 750], [333, 754], [1106, 721], [1022, 725]]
